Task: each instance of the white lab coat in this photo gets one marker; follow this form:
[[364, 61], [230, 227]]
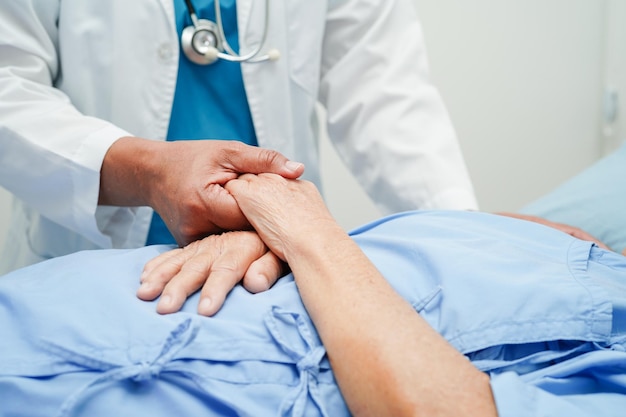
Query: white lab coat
[[76, 75]]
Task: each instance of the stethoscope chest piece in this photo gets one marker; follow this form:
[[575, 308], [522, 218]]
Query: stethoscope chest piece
[[201, 43], [204, 42]]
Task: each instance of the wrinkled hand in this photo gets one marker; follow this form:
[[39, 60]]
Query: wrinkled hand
[[191, 198], [184, 181], [570, 230], [215, 265], [282, 211], [279, 209]]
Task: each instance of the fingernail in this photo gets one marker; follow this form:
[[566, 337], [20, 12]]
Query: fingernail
[[165, 301], [293, 166], [145, 286], [204, 307], [145, 290]]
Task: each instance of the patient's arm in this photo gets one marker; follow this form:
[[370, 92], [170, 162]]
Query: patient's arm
[[387, 360], [565, 228], [215, 265]]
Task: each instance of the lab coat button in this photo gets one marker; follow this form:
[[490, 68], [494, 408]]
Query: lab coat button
[[165, 52]]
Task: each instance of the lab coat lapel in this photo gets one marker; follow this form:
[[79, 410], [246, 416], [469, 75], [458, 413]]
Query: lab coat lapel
[[168, 8], [244, 8], [246, 27], [268, 85]]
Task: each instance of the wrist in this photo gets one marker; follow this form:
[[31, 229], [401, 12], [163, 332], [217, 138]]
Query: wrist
[[317, 243], [130, 167]]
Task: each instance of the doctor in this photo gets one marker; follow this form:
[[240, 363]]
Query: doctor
[[96, 97]]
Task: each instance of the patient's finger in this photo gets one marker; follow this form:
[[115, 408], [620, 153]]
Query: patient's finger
[[158, 260], [192, 275], [159, 271], [216, 264], [227, 271], [263, 273], [220, 282]]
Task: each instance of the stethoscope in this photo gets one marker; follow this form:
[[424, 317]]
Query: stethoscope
[[205, 42]]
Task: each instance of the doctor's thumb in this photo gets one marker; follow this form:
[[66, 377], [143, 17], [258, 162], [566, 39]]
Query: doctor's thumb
[[255, 160]]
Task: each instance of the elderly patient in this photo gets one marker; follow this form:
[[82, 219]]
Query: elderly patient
[[421, 313]]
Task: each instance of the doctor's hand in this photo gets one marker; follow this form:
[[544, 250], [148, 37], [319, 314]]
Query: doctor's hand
[[183, 181], [213, 265]]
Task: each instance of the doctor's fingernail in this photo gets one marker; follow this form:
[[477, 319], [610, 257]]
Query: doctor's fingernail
[[293, 166]]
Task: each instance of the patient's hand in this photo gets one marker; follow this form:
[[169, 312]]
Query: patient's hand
[[284, 212], [215, 265], [570, 230]]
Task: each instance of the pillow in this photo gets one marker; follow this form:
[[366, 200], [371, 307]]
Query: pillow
[[594, 200]]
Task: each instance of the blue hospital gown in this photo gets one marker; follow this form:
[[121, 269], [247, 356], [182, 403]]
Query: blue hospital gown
[[543, 313]]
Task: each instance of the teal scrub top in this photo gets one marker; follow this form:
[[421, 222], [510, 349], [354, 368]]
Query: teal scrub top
[[210, 101]]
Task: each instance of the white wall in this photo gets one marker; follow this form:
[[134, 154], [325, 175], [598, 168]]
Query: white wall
[[615, 71], [523, 82]]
